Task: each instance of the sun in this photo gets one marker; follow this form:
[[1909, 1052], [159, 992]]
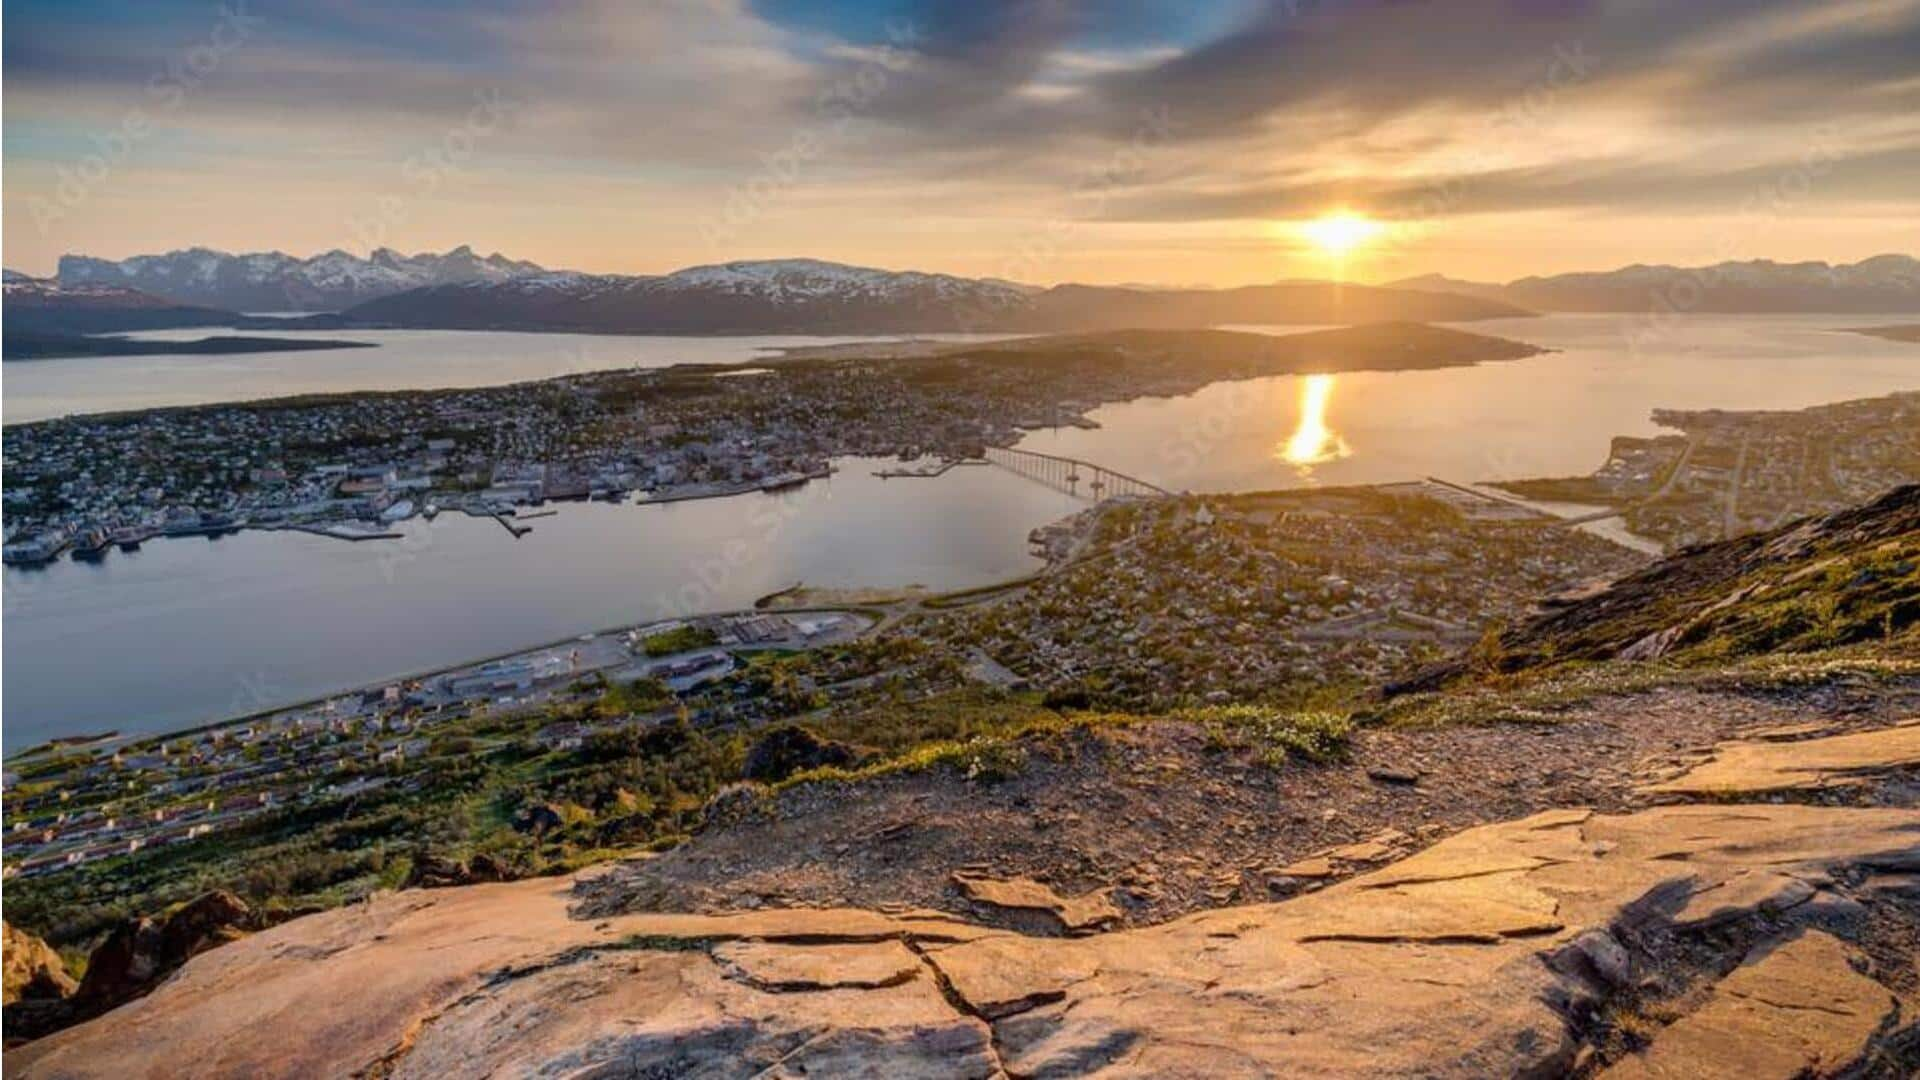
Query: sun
[[1341, 231]]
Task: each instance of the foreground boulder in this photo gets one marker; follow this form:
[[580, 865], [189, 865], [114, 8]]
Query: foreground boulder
[[141, 952], [135, 957], [431, 871], [790, 749], [1497, 952], [34, 971]]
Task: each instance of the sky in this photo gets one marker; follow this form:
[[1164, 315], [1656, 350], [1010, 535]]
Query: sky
[[1172, 142]]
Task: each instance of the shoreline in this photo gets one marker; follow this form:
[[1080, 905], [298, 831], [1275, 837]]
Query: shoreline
[[934, 601], [130, 738]]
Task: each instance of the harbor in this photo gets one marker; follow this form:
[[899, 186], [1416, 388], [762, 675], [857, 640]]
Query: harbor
[[361, 518]]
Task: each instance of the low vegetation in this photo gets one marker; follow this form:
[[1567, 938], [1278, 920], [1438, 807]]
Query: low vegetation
[[1275, 734], [679, 639]]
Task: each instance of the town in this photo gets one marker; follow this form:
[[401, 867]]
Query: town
[[1728, 473], [68, 805]]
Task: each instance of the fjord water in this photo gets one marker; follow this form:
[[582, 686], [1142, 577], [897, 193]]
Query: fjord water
[[403, 360], [1548, 415], [189, 630]]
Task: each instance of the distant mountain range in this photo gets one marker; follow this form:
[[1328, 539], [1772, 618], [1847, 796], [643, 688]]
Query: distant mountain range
[[462, 290], [44, 319], [1882, 284], [806, 296], [273, 281]]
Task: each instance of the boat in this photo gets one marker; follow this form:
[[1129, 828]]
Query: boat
[[785, 481], [130, 537], [91, 544]]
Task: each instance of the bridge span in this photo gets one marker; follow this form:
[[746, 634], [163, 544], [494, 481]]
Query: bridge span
[[1081, 479]]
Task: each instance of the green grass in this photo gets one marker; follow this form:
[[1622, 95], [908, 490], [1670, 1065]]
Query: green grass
[[1544, 696], [986, 755], [679, 639], [1273, 733]]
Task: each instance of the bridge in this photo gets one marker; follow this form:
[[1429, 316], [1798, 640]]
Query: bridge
[[1081, 479]]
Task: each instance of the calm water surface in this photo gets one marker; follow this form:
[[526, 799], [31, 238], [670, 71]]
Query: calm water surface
[[1546, 415], [405, 360], [190, 630]]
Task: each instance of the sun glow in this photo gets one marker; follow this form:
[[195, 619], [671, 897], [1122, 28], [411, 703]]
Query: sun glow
[[1340, 232], [1312, 442]]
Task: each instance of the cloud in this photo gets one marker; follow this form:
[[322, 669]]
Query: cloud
[[1271, 109]]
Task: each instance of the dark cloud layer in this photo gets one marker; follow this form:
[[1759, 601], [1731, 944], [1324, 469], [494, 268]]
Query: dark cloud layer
[[1252, 108]]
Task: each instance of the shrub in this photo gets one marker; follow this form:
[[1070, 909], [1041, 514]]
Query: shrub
[[1314, 734]]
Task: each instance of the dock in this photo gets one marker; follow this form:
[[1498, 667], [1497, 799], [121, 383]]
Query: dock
[[927, 472]]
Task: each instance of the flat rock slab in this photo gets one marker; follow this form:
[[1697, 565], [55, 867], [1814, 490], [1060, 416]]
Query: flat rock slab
[[1075, 915], [1437, 966], [783, 968], [1797, 1010], [1765, 766]]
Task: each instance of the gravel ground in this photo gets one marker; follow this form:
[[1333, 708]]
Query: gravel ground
[[1178, 825]]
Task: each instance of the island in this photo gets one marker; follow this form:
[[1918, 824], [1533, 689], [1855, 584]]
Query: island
[[39, 346], [351, 465]]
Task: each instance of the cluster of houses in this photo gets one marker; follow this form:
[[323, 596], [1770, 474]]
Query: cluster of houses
[[1230, 601]]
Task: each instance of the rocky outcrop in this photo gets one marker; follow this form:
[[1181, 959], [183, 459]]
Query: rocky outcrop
[[1057, 914], [790, 749], [430, 871], [33, 970], [1492, 953], [1796, 1010], [141, 952], [1851, 576], [135, 957], [1772, 765], [539, 818]]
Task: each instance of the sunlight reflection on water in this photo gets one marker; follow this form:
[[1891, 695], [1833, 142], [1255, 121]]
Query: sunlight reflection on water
[[1313, 442]]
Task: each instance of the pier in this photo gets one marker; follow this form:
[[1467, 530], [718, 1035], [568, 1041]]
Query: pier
[[1080, 479], [927, 472]]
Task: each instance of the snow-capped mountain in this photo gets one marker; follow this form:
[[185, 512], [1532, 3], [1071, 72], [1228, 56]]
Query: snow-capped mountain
[[773, 296], [808, 296], [274, 281], [1882, 284], [44, 305]]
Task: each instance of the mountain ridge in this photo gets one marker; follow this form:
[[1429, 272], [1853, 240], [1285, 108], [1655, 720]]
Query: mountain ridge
[[276, 281], [1880, 283], [813, 296]]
